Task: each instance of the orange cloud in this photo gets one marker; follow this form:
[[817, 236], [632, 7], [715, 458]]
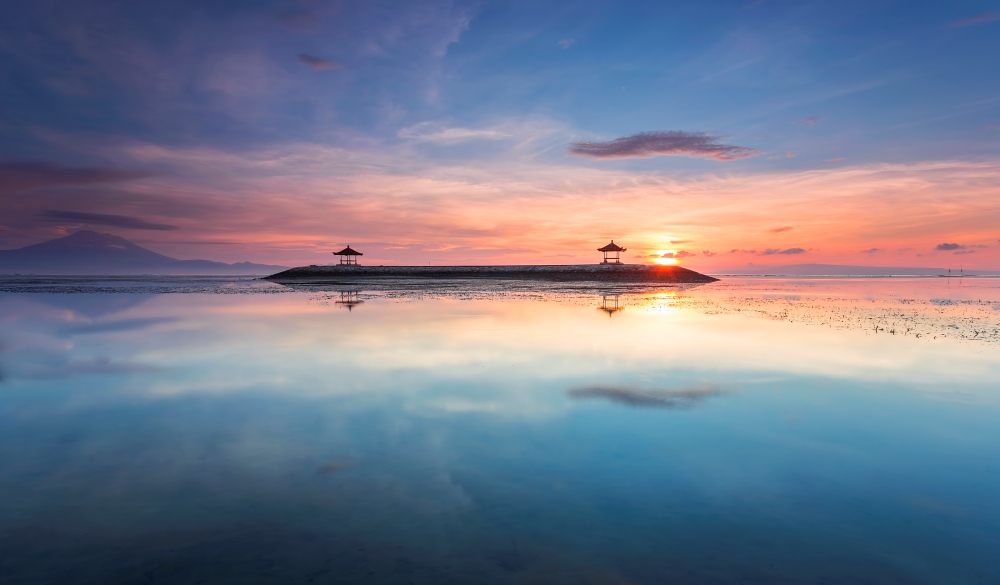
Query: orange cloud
[[295, 204]]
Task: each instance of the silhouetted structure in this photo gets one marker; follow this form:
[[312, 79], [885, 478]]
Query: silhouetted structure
[[612, 253], [348, 256]]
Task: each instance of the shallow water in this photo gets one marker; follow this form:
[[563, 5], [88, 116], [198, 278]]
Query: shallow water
[[745, 431]]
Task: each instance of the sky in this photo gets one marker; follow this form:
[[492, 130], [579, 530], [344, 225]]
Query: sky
[[710, 134]]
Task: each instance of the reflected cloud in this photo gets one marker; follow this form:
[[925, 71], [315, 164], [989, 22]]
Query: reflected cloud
[[646, 398], [101, 365], [113, 326], [333, 467]]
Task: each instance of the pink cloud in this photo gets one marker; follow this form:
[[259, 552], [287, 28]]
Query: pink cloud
[[977, 19], [293, 204]]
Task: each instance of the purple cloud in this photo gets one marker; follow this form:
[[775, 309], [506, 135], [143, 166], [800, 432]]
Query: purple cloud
[[122, 221], [977, 19], [16, 177], [708, 253], [319, 62], [786, 251], [872, 251], [946, 247], [671, 143]]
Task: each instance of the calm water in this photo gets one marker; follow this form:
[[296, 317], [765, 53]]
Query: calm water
[[747, 431]]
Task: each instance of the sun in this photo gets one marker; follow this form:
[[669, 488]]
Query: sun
[[669, 261]]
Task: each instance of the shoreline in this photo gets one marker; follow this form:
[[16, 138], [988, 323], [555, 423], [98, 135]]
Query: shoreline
[[610, 273]]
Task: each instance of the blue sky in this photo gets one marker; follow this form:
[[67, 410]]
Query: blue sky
[[492, 94]]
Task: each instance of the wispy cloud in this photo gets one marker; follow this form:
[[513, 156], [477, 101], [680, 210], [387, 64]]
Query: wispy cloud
[[872, 251], [977, 19], [670, 143], [16, 177], [811, 120], [436, 133], [680, 254], [122, 221], [770, 251], [781, 229], [838, 159], [947, 247], [708, 253], [566, 43], [319, 62], [643, 398]]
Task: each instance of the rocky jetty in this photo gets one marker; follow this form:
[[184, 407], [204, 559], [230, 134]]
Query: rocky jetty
[[603, 273]]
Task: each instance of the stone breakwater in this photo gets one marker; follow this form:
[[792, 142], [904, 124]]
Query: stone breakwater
[[610, 273]]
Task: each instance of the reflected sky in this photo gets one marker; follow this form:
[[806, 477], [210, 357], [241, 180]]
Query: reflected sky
[[751, 431]]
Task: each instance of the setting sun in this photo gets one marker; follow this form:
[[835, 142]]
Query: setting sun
[[665, 257]]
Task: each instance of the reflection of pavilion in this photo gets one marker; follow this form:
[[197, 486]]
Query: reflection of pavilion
[[610, 303], [349, 299]]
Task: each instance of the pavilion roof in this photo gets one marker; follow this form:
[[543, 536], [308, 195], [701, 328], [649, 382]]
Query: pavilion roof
[[612, 247], [348, 251]]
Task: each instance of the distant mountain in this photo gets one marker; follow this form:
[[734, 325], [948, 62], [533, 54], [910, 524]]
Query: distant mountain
[[840, 270], [87, 252]]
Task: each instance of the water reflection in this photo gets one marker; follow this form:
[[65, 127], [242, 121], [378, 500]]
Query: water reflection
[[349, 299], [646, 398], [610, 304], [481, 437]]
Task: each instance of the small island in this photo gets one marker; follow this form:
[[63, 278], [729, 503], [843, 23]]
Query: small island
[[610, 271]]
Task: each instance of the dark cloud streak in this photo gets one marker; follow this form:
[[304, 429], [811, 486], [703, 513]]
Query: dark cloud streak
[[16, 177], [671, 143], [122, 221], [319, 62]]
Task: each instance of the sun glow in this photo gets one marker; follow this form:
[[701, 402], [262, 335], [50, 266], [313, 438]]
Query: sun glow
[[663, 259]]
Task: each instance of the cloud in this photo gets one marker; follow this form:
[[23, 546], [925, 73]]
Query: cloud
[[966, 252], [122, 221], [811, 120], [872, 251], [790, 155], [946, 247], [769, 251], [670, 143], [566, 43], [708, 253], [319, 62], [781, 229], [838, 159], [977, 19], [25, 176], [438, 134], [643, 398], [681, 254], [679, 241]]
